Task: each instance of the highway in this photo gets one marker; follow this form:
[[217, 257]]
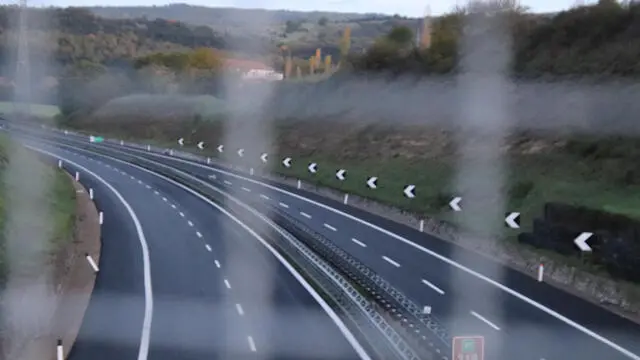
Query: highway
[[181, 279], [519, 317]]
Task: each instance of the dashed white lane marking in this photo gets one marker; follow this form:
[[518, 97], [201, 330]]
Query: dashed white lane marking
[[208, 247], [239, 308], [156, 192], [485, 320], [329, 227], [252, 345], [148, 186], [227, 182], [217, 264], [390, 261], [437, 289], [226, 282], [245, 189], [164, 198], [190, 223], [173, 206], [305, 214], [358, 242], [284, 205], [132, 178], [140, 182], [198, 234], [264, 196]]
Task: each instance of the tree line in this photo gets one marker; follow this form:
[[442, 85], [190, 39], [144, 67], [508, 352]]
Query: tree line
[[600, 39]]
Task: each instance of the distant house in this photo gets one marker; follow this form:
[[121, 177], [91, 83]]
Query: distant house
[[252, 70]]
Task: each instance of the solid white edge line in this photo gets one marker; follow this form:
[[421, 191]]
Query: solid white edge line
[[437, 289], [485, 320], [143, 351], [421, 248], [336, 319]]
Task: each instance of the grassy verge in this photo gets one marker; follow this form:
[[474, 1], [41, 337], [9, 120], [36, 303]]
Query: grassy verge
[[44, 111], [59, 200]]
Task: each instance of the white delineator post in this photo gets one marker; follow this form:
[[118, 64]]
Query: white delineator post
[[421, 225], [100, 217], [540, 272], [346, 198], [77, 176], [91, 193], [299, 184], [59, 351]]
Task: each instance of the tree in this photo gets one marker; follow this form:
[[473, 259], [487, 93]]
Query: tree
[[292, 26], [345, 44], [401, 35], [205, 59], [323, 21]]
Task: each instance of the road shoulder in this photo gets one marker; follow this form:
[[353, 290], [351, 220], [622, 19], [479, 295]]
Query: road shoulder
[[74, 281]]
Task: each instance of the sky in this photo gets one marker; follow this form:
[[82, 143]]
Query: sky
[[412, 8]]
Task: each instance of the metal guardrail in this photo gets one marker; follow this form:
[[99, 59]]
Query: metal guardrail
[[425, 329]]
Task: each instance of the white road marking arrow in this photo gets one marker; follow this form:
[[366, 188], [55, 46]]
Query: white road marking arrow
[[240, 152], [181, 141], [512, 220], [372, 182], [454, 204], [408, 191], [263, 157], [340, 174], [201, 145], [313, 168], [220, 147], [581, 241], [287, 162]]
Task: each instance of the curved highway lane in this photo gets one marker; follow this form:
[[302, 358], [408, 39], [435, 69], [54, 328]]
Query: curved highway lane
[[113, 322], [217, 294], [473, 295]]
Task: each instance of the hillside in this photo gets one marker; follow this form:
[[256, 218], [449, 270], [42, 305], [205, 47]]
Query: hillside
[[71, 35], [303, 32]]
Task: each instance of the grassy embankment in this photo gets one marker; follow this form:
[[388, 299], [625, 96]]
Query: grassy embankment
[[61, 200]]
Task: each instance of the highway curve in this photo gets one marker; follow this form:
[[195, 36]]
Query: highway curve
[[216, 293], [519, 317]]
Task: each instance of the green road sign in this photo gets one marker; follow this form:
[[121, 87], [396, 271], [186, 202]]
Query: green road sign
[[468, 346], [96, 139]]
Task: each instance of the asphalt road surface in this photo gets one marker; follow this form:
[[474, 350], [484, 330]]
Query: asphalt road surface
[[216, 292], [518, 316]]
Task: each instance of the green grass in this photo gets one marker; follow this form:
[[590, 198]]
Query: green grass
[[46, 111], [60, 199]]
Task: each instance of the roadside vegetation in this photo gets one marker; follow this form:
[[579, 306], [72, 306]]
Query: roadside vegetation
[[60, 202]]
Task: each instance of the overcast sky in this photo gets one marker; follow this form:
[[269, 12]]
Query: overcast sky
[[402, 7]]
